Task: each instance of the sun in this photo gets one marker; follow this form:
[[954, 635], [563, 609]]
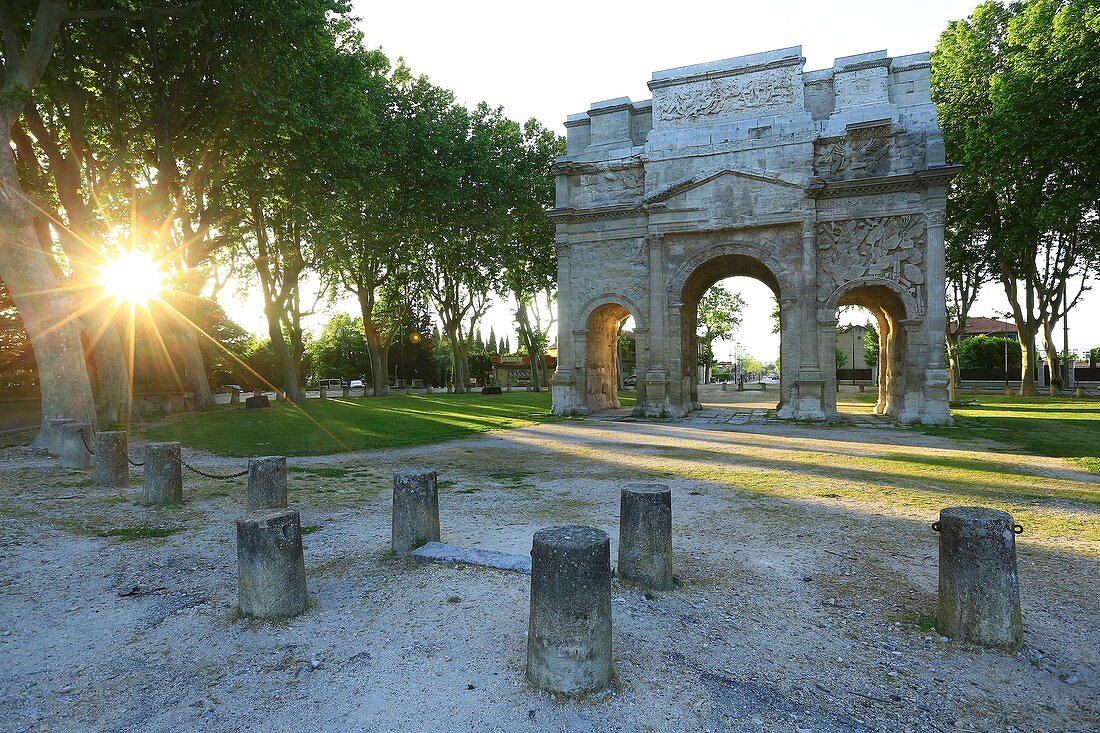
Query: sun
[[132, 277]]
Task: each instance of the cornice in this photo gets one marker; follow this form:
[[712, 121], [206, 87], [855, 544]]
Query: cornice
[[937, 176]]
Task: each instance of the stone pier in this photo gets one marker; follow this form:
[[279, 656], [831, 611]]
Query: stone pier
[[109, 466], [569, 633], [73, 452], [267, 483], [271, 571], [415, 510], [979, 590], [163, 485], [645, 535]]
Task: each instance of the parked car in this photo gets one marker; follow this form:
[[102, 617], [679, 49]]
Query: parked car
[[231, 388], [357, 384], [331, 383], [631, 381]]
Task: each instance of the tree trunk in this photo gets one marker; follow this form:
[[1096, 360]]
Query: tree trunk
[[46, 310], [379, 355], [461, 367], [1054, 362], [114, 377], [533, 349], [1026, 332], [292, 382], [194, 366]]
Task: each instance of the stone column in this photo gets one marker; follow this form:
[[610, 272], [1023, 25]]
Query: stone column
[[567, 396], [415, 510], [267, 483], [645, 535], [979, 590], [271, 571], [569, 633], [73, 452], [109, 466], [163, 485]]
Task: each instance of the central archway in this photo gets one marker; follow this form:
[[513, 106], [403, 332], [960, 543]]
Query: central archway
[[602, 367], [722, 265]]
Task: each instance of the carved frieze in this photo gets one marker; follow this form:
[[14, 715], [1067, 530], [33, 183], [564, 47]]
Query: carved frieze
[[861, 152], [765, 90], [888, 247]]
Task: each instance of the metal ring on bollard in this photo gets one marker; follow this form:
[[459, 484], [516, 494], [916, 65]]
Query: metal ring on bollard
[[1018, 529], [935, 526]]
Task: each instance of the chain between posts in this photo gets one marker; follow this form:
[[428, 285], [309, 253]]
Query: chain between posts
[[185, 464], [204, 474]]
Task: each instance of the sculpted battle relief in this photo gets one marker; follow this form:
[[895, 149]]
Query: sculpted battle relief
[[887, 247], [723, 97], [859, 153]]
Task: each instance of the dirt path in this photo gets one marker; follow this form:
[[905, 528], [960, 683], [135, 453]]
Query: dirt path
[[807, 564]]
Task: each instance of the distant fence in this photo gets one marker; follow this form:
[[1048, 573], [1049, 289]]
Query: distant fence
[[859, 375]]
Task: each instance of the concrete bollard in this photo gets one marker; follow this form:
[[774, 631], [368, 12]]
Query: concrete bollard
[[53, 433], [267, 483], [1080, 393], [979, 591], [234, 397], [323, 393], [346, 392], [1008, 391], [271, 570], [725, 387], [109, 466], [415, 510], [163, 474], [73, 452], [280, 396], [429, 389], [645, 535], [569, 634]]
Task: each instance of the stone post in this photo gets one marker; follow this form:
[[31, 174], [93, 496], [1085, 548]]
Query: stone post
[[323, 393], [234, 397], [73, 453], [979, 590], [569, 634], [415, 510], [346, 392], [1080, 392], [267, 483], [163, 474], [53, 433], [271, 571], [645, 535], [109, 467]]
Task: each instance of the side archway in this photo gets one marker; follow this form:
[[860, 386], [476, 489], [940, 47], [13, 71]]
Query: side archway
[[603, 326], [894, 310]]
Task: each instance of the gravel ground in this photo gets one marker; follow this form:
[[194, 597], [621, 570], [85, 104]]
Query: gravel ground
[[794, 614]]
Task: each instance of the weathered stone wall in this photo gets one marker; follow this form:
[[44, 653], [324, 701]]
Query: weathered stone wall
[[827, 185]]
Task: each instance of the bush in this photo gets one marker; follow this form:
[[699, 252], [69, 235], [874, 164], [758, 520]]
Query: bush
[[987, 352]]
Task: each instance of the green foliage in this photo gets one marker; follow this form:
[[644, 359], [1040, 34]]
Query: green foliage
[[841, 358], [18, 369], [1094, 356], [341, 350], [987, 352], [719, 316], [870, 345], [1016, 88]]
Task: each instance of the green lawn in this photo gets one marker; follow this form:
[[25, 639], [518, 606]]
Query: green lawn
[[1061, 427], [318, 427]]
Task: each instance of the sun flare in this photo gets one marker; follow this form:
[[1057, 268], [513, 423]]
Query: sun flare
[[132, 277]]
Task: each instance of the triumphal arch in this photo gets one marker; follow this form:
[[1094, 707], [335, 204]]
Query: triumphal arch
[[827, 186]]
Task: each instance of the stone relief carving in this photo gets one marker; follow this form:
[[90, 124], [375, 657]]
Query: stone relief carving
[[611, 185], [860, 152], [725, 96], [888, 247]]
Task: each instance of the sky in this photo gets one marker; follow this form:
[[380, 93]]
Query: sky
[[548, 60]]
